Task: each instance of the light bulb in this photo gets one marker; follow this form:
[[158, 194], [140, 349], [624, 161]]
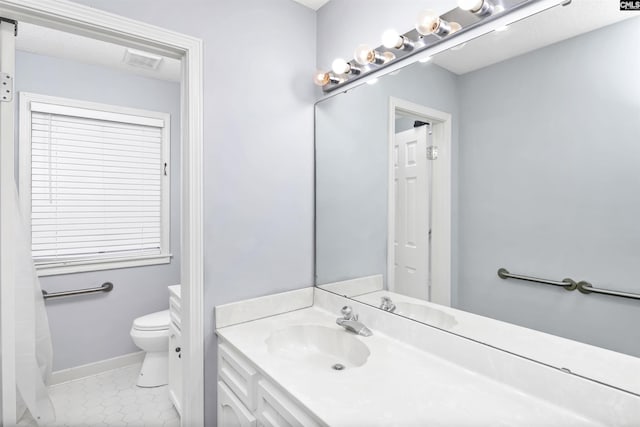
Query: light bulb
[[340, 66], [479, 7], [391, 39], [321, 78], [364, 54], [470, 5], [428, 21]]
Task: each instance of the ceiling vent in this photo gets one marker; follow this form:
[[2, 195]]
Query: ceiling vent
[[140, 59]]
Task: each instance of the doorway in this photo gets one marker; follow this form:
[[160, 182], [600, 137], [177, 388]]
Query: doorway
[[82, 20]]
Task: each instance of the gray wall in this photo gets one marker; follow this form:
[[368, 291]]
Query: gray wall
[[92, 328], [549, 186], [258, 153], [351, 168]]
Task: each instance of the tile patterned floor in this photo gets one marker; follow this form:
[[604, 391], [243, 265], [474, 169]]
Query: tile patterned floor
[[111, 399]]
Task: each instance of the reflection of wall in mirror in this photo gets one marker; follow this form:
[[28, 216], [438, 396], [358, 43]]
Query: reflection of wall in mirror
[[544, 171], [351, 168], [549, 182], [90, 329]]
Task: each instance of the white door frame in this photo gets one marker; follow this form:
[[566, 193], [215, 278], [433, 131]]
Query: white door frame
[[7, 294], [441, 197], [72, 17]]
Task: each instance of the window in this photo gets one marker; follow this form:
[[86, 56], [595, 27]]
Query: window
[[95, 179]]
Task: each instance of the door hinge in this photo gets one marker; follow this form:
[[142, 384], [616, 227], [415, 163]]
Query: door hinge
[[6, 87], [432, 152]]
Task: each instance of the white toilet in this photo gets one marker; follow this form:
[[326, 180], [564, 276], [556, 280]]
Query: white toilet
[[151, 334]]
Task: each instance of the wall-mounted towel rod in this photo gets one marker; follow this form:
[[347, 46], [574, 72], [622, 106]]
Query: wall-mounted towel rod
[[568, 284], [105, 287], [587, 288]]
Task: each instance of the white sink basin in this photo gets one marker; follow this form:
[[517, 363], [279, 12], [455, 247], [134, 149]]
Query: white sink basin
[[425, 314], [319, 346]]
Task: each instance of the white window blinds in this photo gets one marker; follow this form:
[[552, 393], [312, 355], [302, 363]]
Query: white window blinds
[[96, 184]]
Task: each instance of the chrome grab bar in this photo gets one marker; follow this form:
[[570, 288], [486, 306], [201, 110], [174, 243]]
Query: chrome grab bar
[[105, 287], [587, 288], [568, 284]]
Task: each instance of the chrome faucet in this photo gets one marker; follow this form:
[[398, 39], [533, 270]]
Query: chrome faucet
[[350, 322], [387, 305]]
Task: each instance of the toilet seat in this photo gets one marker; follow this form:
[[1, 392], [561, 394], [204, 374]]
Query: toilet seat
[[158, 321]]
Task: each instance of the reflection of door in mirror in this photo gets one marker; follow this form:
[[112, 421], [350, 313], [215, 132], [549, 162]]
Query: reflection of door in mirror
[[412, 188]]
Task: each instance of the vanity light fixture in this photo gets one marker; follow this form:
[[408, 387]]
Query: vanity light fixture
[[391, 39], [429, 22], [431, 30], [478, 7]]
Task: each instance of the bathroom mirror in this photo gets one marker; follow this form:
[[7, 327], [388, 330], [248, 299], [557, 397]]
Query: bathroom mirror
[[528, 140]]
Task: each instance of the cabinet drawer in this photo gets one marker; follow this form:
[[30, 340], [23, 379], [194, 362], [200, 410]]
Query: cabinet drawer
[[238, 375], [277, 410], [231, 412]]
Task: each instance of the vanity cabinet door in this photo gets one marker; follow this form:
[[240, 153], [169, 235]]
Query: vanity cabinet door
[[175, 367], [231, 412], [238, 374], [277, 410]]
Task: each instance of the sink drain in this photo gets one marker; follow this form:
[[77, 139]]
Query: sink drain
[[338, 367]]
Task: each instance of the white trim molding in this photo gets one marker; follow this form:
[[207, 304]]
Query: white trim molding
[[7, 225], [75, 18], [441, 195], [95, 368]]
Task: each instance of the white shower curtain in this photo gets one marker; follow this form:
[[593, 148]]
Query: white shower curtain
[[34, 354]]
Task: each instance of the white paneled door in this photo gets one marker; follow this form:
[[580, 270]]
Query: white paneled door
[[412, 177]]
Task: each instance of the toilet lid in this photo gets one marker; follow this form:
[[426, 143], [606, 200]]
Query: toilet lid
[[153, 322]]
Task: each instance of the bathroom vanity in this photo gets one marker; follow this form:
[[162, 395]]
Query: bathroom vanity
[[283, 361]]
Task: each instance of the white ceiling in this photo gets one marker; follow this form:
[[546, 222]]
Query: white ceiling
[[543, 29], [45, 41], [313, 4]]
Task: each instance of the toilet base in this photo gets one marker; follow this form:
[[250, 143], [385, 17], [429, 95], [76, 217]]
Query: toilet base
[[155, 370]]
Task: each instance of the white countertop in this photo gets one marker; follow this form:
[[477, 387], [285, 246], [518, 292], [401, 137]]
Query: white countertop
[[606, 366], [399, 385]]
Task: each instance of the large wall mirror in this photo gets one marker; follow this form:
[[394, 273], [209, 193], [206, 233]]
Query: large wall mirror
[[529, 140]]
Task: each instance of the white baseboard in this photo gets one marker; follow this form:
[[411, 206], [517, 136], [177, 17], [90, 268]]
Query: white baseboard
[[66, 375]]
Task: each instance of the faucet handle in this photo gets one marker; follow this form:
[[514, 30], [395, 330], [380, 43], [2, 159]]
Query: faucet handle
[[387, 304], [347, 313]]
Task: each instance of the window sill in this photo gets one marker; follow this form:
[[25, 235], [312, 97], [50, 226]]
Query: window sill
[[98, 265]]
